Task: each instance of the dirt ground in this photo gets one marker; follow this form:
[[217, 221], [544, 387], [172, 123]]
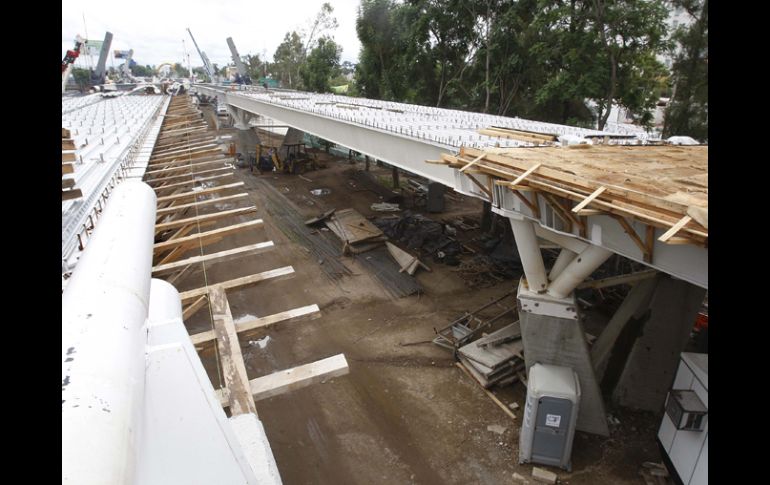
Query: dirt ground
[[404, 413]]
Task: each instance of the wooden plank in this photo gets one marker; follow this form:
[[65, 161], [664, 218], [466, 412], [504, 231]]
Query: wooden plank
[[223, 231], [219, 162], [311, 311], [67, 144], [649, 243], [214, 257], [195, 193], [67, 168], [292, 379], [71, 194], [631, 233], [176, 208], [233, 368], [532, 206], [183, 150], [68, 157], [162, 188], [526, 174], [239, 282], [596, 193], [67, 183], [65, 133], [188, 155], [488, 393], [185, 176], [165, 226], [480, 185], [474, 162], [193, 308], [618, 280], [676, 228]]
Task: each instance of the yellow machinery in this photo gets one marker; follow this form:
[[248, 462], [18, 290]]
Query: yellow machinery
[[297, 159]]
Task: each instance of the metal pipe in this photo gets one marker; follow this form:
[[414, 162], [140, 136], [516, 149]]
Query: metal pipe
[[104, 310], [565, 257], [529, 252], [574, 274]]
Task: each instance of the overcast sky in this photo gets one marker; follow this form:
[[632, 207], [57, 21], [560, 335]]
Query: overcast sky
[[155, 29]]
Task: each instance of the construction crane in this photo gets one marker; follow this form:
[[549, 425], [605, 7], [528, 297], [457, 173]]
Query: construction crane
[[204, 58], [242, 72], [69, 61], [99, 75]]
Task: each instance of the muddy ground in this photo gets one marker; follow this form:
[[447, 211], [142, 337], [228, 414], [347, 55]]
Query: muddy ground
[[405, 413]]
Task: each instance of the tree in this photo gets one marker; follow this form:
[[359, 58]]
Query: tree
[[255, 66], [322, 64], [82, 78], [323, 22], [287, 60], [687, 111], [603, 51]]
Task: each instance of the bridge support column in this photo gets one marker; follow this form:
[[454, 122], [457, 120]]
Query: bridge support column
[[529, 252], [565, 257], [550, 322], [654, 355], [552, 334], [240, 116]]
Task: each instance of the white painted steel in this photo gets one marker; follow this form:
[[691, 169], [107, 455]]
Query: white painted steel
[[107, 134], [104, 310], [565, 258], [406, 135], [529, 252], [578, 270], [186, 437]]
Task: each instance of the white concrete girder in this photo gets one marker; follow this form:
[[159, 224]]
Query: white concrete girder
[[686, 262], [402, 151], [240, 116]]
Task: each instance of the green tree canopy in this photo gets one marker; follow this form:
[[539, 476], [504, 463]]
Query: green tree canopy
[[322, 64], [687, 111]]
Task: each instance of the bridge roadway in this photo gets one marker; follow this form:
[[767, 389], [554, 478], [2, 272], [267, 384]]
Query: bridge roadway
[[407, 135]]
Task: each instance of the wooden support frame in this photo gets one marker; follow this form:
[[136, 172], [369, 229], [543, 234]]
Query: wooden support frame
[[219, 161], [176, 208], [310, 312], [195, 193], [526, 174], [193, 308], [596, 193], [534, 207], [676, 228], [285, 271], [625, 279], [192, 181], [480, 185], [473, 162], [214, 257], [233, 368], [165, 226], [292, 379], [203, 236], [185, 176], [643, 246]]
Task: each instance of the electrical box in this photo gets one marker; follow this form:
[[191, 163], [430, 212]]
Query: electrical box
[[683, 433], [550, 414]]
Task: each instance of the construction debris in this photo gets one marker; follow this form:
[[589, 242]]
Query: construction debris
[[357, 234], [379, 264], [385, 207], [468, 326], [291, 223], [496, 358], [544, 476], [406, 261]]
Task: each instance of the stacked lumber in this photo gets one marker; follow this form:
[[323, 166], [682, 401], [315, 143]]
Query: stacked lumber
[[68, 190], [664, 187], [496, 358], [356, 232]]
